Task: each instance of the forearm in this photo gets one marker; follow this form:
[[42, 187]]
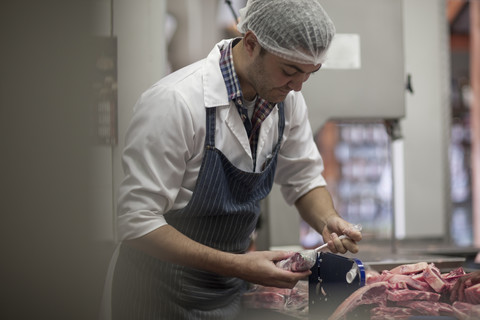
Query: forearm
[[168, 244], [316, 207]]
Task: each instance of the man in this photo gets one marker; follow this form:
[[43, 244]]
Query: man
[[203, 148]]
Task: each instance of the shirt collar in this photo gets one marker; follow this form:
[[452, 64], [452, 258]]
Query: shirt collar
[[228, 72], [230, 76]]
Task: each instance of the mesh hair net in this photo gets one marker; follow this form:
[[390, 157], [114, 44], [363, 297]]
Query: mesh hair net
[[296, 30]]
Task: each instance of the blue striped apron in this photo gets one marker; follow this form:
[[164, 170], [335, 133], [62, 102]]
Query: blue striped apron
[[221, 214]]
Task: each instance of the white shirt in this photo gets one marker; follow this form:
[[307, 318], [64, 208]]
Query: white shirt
[[165, 141]]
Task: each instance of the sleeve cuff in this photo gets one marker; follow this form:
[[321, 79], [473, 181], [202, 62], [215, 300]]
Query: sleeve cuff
[[136, 224]]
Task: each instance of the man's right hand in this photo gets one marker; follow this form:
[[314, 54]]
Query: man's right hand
[[259, 267]]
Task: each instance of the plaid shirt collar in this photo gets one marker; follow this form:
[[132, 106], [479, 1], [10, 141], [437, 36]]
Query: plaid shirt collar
[[262, 107], [229, 75], [231, 79]]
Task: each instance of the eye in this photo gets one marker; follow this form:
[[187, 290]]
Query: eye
[[288, 74]]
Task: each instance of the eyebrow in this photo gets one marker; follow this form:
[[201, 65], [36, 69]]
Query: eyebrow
[[300, 70]]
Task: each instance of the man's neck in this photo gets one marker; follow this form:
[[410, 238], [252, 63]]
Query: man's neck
[[239, 63]]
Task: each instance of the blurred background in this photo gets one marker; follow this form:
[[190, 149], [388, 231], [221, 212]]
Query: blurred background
[[395, 116]]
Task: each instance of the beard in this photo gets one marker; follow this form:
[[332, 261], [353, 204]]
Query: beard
[[262, 81]]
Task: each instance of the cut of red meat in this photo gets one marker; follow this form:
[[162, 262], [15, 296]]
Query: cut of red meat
[[407, 295], [461, 309], [430, 308], [264, 300], [410, 281], [414, 289], [298, 262], [370, 294], [410, 268], [433, 278], [454, 274], [371, 276], [465, 310], [390, 312], [390, 317], [472, 294]]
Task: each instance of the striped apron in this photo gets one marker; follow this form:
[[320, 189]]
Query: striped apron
[[221, 214]]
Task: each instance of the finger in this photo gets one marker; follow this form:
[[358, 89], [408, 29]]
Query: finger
[[350, 245], [280, 255], [289, 279], [338, 244], [353, 233], [331, 243]]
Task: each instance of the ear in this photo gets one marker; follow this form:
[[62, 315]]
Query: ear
[[250, 42]]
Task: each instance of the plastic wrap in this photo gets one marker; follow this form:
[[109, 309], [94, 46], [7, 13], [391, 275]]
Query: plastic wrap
[[300, 261]]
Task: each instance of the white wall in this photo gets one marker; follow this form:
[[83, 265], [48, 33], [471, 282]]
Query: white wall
[[426, 126], [139, 29]]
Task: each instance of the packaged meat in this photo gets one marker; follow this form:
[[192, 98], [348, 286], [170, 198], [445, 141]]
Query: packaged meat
[[300, 261]]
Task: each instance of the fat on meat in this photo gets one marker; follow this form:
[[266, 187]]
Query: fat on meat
[[391, 313], [410, 268], [407, 295], [433, 277], [409, 281], [466, 311], [430, 308], [472, 294], [374, 293]]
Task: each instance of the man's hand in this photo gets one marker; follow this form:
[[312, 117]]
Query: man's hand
[[316, 208], [335, 227], [259, 267]]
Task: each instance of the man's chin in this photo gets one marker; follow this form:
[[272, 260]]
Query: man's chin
[[277, 98]]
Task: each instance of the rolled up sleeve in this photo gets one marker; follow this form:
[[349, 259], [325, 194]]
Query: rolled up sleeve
[[158, 144]]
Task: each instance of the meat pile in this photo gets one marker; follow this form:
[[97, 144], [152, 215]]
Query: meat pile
[[293, 301], [411, 290]]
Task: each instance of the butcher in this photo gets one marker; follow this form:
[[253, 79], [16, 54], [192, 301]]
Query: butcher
[[203, 148]]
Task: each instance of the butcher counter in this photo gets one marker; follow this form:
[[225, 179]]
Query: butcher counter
[[381, 256]]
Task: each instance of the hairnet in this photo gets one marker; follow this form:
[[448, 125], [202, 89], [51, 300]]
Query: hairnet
[[296, 30]]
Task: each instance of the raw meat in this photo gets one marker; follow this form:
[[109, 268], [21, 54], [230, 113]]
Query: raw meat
[[433, 277], [466, 311], [409, 281], [409, 290], [472, 294], [371, 276], [300, 261], [407, 295], [264, 300], [370, 294], [391, 313], [430, 308], [288, 301], [410, 268]]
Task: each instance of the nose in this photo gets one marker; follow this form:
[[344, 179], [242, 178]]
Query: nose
[[297, 82]]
